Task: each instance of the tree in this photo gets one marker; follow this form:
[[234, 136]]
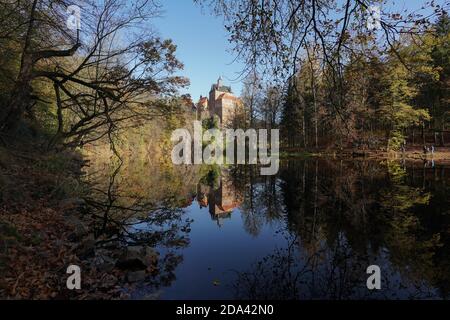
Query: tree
[[396, 110], [329, 46], [441, 60], [98, 82], [271, 106], [251, 97], [291, 116]]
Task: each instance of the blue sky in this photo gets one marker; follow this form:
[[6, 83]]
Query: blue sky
[[202, 45], [203, 42]]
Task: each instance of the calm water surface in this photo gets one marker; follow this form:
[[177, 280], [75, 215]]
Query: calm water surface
[[308, 233]]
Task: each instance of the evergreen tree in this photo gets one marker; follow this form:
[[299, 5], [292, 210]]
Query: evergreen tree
[[290, 116]]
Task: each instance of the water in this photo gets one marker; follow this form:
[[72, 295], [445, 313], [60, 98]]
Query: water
[[308, 233]]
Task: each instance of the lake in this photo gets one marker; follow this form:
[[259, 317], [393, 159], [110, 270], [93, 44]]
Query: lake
[[309, 232]]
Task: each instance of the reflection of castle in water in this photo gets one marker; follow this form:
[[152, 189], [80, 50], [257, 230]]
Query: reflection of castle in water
[[221, 200]]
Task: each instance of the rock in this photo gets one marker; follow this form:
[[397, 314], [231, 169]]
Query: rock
[[132, 259], [134, 252], [137, 258], [106, 265], [134, 264], [136, 276], [86, 248], [108, 281], [103, 262]]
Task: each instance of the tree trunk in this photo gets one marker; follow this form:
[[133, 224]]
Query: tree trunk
[[304, 128], [313, 87], [20, 95], [316, 120], [423, 134], [20, 99]]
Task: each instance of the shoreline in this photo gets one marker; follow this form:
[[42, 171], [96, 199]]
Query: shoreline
[[441, 155], [48, 216]]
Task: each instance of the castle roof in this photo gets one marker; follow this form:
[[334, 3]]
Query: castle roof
[[221, 88], [228, 96], [203, 100]]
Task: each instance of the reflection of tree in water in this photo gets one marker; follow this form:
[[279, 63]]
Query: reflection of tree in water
[[224, 190], [329, 272], [348, 216], [418, 237], [128, 217], [261, 204], [289, 274], [338, 216]]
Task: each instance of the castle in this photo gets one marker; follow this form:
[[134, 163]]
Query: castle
[[222, 103], [222, 200]]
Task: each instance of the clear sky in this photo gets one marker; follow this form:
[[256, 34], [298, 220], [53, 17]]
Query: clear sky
[[202, 45], [203, 42]]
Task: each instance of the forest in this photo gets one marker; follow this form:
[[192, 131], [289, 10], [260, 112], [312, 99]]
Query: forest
[[71, 82], [334, 83], [98, 92], [326, 83]]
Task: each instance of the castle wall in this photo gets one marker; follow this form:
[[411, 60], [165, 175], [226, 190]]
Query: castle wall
[[227, 111], [223, 108], [214, 104]]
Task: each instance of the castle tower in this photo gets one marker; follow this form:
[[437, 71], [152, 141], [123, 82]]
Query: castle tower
[[222, 102], [202, 108]]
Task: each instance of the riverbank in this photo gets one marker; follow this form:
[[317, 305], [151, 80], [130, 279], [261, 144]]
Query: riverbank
[[43, 229], [50, 219], [441, 155], [34, 234], [46, 225]]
